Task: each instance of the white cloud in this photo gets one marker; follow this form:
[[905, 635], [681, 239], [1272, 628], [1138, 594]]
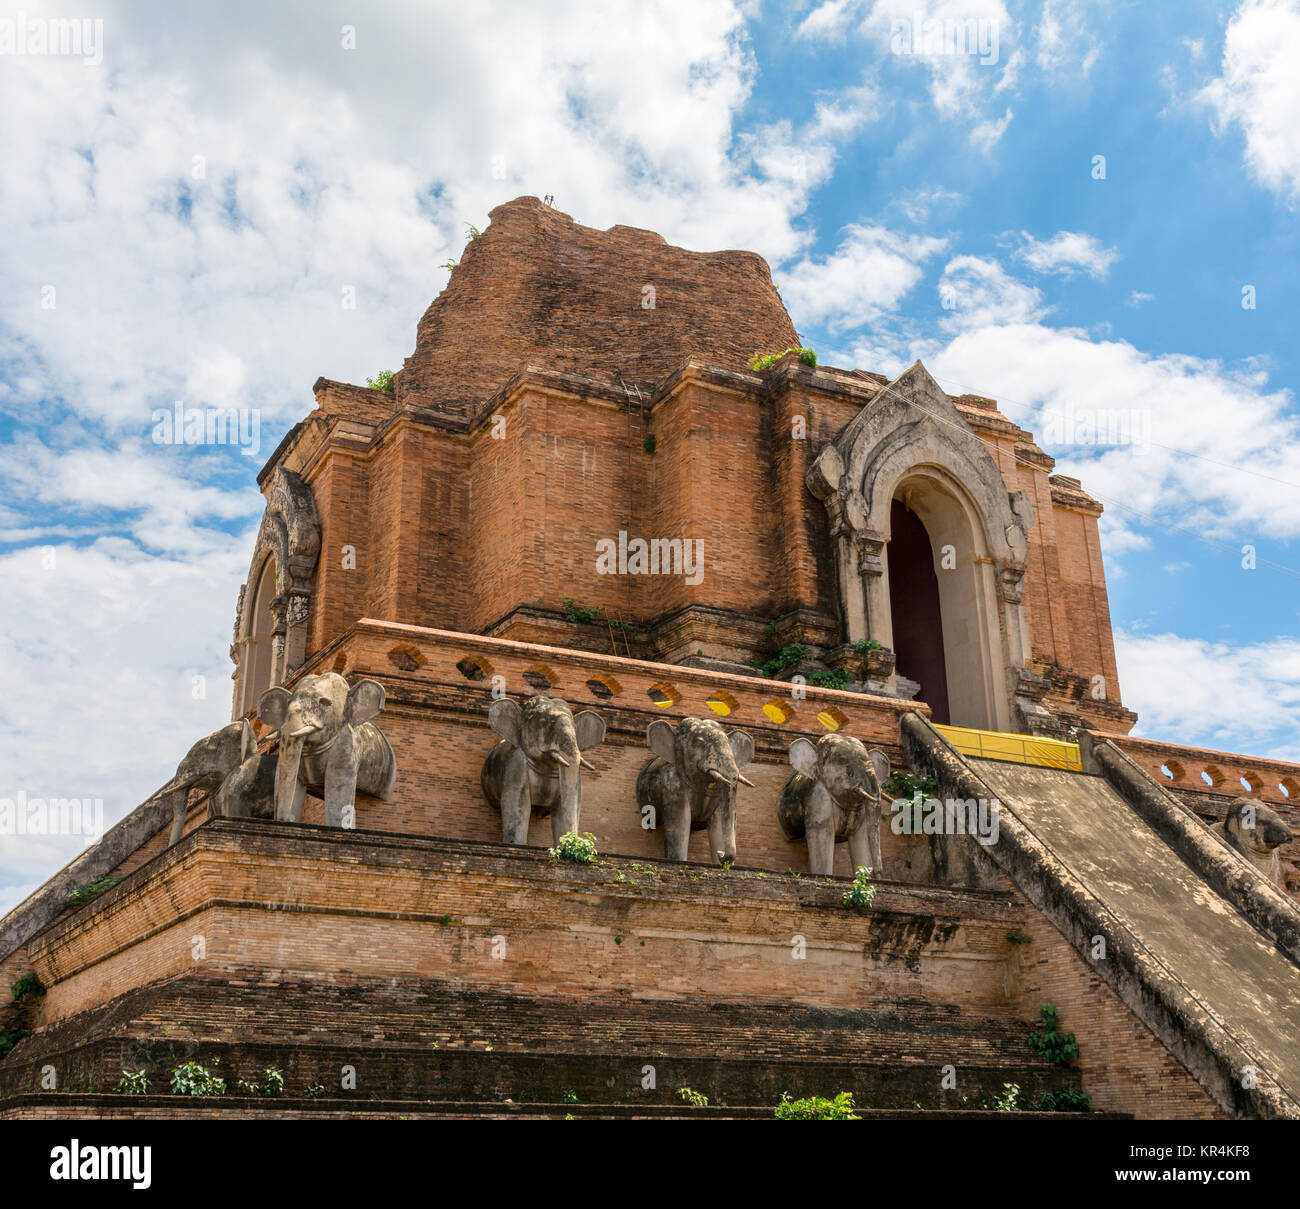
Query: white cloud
[[986, 135], [975, 292], [967, 49], [1213, 694], [1066, 253], [1068, 42], [828, 21], [1237, 486], [966, 46], [868, 274], [1137, 298], [1259, 90], [98, 665], [918, 205]]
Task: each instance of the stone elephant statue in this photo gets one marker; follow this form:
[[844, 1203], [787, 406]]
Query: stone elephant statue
[[206, 766], [833, 797], [691, 783], [328, 744], [536, 765], [1256, 831]]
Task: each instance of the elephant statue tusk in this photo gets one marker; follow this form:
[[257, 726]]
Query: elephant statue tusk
[[302, 732], [586, 763], [744, 780], [721, 780], [559, 759]]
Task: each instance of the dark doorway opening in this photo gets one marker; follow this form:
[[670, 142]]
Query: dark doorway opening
[[914, 609]]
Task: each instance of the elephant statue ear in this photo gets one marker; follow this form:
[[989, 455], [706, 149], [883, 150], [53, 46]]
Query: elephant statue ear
[[365, 699], [504, 717], [742, 747], [880, 762], [803, 756], [273, 706], [590, 729], [661, 738]]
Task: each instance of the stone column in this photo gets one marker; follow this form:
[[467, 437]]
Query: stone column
[[846, 566], [295, 620]]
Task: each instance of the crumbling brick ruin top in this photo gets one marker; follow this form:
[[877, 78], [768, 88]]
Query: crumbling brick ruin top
[[536, 286]]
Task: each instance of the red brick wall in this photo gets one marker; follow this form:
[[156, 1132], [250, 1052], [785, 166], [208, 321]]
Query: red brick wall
[[1124, 1067]]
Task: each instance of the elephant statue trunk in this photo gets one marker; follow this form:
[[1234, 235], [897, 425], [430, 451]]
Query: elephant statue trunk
[[536, 765]]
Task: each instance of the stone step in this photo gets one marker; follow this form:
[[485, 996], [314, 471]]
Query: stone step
[[440, 1041], [80, 1106]]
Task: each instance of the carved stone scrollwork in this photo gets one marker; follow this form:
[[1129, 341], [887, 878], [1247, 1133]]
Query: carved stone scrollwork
[[1035, 718], [871, 551], [288, 544], [295, 613], [1011, 583]]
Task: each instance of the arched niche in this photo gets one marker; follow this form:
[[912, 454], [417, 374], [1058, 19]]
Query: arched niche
[[257, 663], [971, 642], [911, 443], [275, 602]]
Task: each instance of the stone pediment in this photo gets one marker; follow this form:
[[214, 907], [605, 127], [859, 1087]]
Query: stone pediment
[[913, 423]]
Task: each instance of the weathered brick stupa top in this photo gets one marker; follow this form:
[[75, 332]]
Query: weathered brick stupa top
[[538, 287]]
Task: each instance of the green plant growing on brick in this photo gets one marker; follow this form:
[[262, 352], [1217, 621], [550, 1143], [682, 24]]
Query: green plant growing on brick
[[906, 785], [578, 849], [760, 363], [836, 678], [449, 265], [784, 657], [133, 1083], [315, 1090], [1068, 1099], [85, 894], [580, 613], [270, 1084], [1008, 1099], [861, 893], [195, 1079], [381, 381], [571, 1097], [471, 670], [863, 645], [9, 1038], [472, 231], [649, 442], [28, 984], [1052, 1044], [1019, 938], [817, 1108], [692, 1098]]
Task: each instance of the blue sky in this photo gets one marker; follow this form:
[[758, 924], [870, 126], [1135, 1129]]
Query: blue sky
[[181, 220]]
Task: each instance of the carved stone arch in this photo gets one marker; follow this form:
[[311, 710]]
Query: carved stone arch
[[910, 442], [287, 547]]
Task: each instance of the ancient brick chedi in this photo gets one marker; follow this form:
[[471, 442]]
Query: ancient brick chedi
[[617, 563], [573, 385]]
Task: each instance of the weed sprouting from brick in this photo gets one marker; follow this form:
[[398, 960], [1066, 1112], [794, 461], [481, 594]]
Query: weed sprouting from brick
[[1051, 1043], [861, 893], [133, 1083], [817, 1108], [575, 848]]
